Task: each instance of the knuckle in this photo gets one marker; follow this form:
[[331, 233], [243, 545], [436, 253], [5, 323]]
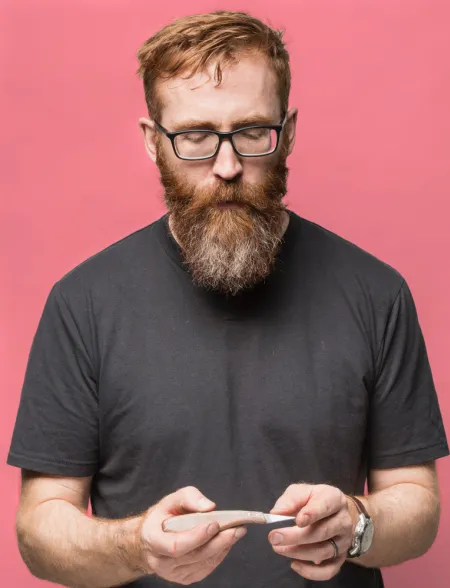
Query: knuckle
[[348, 526], [334, 570], [227, 538], [327, 573], [326, 531], [211, 561], [217, 559], [154, 564]]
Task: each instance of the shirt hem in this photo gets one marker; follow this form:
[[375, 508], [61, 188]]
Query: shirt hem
[[413, 457], [46, 466]]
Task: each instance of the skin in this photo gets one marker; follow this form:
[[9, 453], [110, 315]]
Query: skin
[[57, 540], [60, 543], [248, 90], [403, 503]]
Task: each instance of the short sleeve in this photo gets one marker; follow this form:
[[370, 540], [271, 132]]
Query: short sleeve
[[56, 428], [406, 426]]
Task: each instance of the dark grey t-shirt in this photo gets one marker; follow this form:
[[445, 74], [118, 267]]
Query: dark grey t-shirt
[[150, 384]]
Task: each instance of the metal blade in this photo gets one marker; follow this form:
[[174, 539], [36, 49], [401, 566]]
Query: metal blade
[[271, 518]]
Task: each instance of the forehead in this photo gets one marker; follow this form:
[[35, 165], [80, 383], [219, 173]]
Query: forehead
[[248, 87]]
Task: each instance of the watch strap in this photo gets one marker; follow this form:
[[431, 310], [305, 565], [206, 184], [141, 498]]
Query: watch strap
[[360, 506]]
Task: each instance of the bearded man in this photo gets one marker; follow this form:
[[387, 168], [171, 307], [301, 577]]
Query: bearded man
[[230, 355]]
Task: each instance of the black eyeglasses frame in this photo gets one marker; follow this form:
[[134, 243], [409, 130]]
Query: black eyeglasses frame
[[222, 136]]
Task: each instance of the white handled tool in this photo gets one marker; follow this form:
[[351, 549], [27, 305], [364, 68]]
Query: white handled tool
[[225, 518]]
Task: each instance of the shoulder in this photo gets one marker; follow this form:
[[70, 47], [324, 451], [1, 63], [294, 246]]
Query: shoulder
[[345, 261], [114, 266]]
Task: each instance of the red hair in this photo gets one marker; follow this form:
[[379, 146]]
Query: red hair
[[189, 44]]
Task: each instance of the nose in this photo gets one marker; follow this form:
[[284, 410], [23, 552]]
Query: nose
[[227, 164]]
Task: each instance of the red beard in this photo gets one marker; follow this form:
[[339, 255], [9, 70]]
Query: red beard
[[232, 248]]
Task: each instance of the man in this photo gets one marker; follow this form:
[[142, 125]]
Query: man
[[230, 355]]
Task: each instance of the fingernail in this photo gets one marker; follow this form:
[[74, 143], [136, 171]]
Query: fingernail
[[204, 503], [276, 539], [240, 533], [212, 528]]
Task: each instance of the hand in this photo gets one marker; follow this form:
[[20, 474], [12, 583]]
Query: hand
[[322, 513], [187, 556]]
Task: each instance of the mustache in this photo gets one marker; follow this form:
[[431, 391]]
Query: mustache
[[247, 195]]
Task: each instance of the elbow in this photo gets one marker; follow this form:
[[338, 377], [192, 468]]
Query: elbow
[[431, 527], [28, 547], [434, 524]]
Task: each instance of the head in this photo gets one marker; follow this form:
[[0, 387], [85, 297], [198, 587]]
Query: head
[[221, 72]]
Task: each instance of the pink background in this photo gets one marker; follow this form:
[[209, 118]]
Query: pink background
[[372, 83]]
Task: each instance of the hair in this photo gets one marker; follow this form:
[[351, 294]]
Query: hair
[[189, 44]]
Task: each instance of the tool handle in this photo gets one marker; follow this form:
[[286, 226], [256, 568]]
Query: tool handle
[[225, 518]]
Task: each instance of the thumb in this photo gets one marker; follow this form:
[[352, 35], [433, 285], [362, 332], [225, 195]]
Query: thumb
[[293, 499], [188, 499]]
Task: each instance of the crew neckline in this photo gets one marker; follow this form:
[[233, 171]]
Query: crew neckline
[[173, 249]]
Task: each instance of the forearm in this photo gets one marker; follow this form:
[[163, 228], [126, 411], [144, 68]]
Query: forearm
[[61, 544], [406, 519]]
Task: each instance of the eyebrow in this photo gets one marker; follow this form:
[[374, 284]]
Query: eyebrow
[[196, 124]]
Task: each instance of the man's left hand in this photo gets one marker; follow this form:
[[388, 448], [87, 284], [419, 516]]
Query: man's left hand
[[322, 513]]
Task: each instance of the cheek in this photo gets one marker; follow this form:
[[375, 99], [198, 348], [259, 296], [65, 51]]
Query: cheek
[[254, 171]]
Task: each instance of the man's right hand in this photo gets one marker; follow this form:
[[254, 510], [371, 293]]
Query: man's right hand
[[187, 556]]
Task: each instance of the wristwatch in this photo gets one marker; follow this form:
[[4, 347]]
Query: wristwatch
[[364, 531]]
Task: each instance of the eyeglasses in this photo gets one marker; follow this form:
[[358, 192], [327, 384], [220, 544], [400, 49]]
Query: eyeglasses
[[251, 141]]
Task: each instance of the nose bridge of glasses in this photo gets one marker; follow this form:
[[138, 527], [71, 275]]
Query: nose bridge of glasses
[[227, 162], [227, 139], [226, 149]]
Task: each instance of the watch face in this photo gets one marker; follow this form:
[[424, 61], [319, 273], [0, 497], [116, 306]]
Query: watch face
[[366, 539]]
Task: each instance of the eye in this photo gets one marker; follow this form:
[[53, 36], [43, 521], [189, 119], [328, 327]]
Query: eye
[[193, 137], [255, 134]]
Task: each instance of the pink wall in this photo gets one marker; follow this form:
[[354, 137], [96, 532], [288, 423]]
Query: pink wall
[[372, 83]]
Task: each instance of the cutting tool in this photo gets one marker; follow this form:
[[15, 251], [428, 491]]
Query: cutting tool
[[225, 518]]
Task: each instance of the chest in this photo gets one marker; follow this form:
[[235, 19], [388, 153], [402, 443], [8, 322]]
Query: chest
[[294, 378]]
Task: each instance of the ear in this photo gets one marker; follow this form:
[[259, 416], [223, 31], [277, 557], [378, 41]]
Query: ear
[[147, 127], [290, 128]]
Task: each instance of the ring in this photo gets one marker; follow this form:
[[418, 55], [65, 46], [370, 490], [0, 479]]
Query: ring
[[336, 550]]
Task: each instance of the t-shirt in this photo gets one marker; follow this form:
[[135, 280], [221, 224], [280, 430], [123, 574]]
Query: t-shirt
[[149, 383]]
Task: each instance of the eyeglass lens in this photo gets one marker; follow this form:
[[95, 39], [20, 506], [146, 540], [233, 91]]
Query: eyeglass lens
[[260, 141]]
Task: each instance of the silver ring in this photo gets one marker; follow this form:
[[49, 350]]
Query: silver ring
[[336, 550]]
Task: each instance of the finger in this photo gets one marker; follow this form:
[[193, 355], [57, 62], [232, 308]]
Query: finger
[[175, 544], [293, 499], [170, 544], [188, 499], [316, 533], [196, 572], [326, 571], [223, 541], [323, 502], [209, 559], [314, 552]]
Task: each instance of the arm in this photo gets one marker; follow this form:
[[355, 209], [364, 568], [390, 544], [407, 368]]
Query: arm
[[60, 543], [405, 507]]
